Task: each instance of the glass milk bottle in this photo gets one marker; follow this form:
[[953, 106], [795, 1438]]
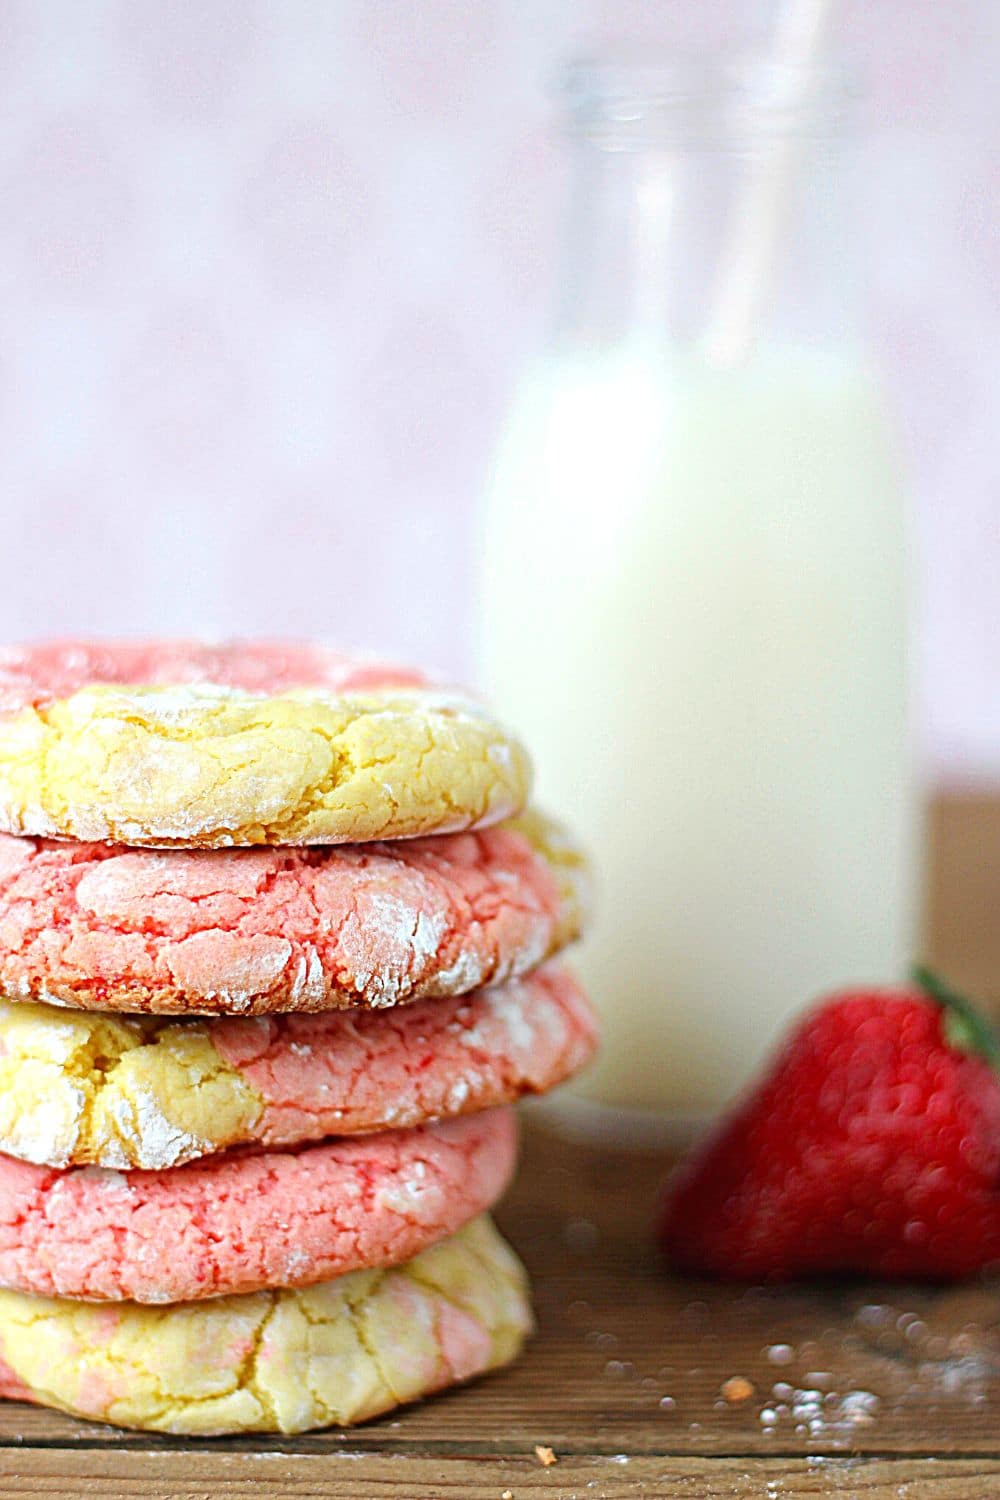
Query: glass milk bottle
[[692, 585]]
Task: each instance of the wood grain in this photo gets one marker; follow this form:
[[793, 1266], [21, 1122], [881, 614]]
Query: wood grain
[[629, 1362], [217, 1476]]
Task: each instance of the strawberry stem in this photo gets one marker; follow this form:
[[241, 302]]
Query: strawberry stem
[[967, 1027]]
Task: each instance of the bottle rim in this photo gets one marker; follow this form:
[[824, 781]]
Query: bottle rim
[[625, 103]]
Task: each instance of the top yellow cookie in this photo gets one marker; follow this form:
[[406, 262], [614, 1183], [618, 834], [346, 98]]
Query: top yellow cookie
[[165, 744]]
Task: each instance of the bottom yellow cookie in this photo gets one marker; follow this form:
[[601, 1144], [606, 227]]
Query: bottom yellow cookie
[[285, 1361]]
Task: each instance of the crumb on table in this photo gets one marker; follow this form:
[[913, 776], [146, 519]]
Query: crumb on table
[[737, 1389]]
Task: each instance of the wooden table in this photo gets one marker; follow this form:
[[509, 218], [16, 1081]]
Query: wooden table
[[873, 1391], [868, 1390]]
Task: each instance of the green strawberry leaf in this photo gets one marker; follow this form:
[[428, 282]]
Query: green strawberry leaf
[[965, 1027]]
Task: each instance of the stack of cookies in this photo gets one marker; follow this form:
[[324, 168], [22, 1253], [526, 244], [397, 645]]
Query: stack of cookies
[[274, 943]]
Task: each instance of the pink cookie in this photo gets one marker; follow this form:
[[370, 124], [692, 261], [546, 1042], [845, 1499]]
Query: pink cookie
[[35, 675], [248, 931], [247, 1221], [348, 1074]]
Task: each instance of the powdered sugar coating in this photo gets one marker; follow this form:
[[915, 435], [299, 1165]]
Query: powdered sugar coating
[[251, 931], [282, 1361], [160, 744], [246, 1221]]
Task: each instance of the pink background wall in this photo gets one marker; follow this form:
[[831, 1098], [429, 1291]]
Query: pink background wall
[[268, 268]]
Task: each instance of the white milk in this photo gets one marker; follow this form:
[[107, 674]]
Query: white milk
[[693, 609]]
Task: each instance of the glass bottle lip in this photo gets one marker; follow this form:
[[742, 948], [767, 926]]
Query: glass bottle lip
[[723, 102]]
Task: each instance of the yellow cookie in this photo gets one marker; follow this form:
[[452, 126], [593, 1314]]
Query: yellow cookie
[[283, 1361], [163, 744]]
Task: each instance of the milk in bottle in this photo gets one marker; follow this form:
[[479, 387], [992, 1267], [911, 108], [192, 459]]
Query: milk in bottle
[[694, 604]]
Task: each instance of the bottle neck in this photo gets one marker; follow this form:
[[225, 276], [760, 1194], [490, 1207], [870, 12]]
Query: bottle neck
[[721, 233]]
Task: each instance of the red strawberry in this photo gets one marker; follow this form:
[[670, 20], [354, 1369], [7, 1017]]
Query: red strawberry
[[872, 1145]]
